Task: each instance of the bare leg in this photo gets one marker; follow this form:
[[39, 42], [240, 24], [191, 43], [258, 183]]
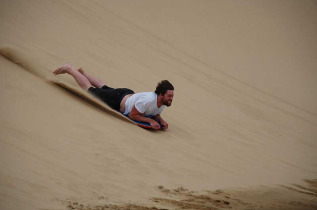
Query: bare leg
[[68, 68], [93, 80]]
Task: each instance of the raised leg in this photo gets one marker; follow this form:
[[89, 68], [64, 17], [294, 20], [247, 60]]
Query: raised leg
[[93, 80], [68, 68]]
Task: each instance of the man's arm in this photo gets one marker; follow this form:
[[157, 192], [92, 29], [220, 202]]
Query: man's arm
[[138, 116], [159, 119]]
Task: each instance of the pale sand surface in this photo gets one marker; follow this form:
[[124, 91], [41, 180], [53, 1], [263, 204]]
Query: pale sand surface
[[244, 116]]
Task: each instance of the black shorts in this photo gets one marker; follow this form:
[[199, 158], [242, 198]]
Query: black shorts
[[111, 96]]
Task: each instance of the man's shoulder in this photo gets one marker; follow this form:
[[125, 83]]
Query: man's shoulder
[[147, 95], [146, 98]]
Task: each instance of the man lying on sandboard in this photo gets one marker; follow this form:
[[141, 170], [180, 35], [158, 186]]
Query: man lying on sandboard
[[144, 107]]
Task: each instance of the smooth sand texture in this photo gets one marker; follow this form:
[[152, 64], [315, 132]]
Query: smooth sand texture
[[243, 118]]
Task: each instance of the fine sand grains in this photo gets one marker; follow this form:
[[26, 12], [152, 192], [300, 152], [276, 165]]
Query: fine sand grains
[[243, 118]]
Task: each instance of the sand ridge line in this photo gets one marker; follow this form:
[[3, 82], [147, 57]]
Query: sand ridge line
[[311, 189], [89, 98], [17, 58]]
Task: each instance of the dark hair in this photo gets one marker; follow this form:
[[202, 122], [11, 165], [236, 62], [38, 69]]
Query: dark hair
[[163, 86]]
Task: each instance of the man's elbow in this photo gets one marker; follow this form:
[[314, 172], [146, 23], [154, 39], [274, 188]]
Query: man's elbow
[[133, 116], [130, 116]]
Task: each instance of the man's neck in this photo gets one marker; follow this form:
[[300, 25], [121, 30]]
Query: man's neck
[[159, 101]]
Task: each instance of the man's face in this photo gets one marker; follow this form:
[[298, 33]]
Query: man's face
[[168, 98]]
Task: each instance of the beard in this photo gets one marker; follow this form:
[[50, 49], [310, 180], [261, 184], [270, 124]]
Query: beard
[[167, 102]]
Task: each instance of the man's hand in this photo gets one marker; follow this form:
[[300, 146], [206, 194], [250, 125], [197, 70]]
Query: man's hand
[[159, 119], [155, 125], [164, 124]]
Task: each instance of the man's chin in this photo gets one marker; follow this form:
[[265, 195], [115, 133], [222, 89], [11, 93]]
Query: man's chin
[[167, 103]]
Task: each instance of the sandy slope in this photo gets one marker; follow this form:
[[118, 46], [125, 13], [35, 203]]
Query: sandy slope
[[244, 112]]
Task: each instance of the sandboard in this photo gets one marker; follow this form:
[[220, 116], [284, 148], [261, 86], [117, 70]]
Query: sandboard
[[98, 103], [141, 124]]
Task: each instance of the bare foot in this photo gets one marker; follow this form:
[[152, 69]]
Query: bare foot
[[64, 69], [60, 70], [81, 70]]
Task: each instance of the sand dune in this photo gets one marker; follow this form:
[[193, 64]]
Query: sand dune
[[243, 119]]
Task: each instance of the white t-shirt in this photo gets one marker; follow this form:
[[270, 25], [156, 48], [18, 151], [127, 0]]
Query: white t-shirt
[[145, 103]]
